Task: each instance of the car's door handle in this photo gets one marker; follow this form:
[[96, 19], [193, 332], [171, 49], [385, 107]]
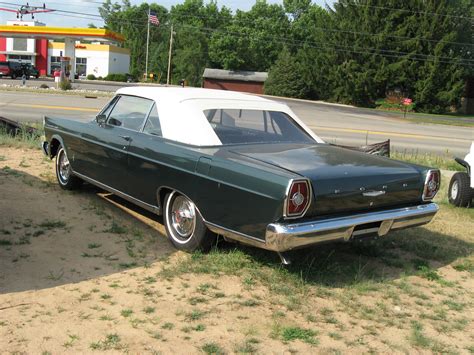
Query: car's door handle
[[127, 138]]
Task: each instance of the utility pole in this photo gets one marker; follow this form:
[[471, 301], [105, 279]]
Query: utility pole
[[169, 56], [147, 44]]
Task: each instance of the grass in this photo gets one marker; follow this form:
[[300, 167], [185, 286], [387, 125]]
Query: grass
[[445, 161], [195, 315], [22, 139], [288, 334], [167, 326], [115, 228], [126, 312], [52, 224], [111, 342], [417, 337], [248, 346], [212, 348]]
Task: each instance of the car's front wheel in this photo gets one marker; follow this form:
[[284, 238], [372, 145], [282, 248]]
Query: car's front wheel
[[64, 174], [184, 225], [460, 193]]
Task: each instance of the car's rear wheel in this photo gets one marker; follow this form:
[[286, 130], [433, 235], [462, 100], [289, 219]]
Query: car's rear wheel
[[460, 193], [184, 225], [13, 76], [64, 173]]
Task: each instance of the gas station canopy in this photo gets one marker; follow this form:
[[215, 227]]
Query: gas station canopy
[[85, 34]]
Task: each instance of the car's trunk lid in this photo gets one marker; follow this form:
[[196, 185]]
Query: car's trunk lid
[[343, 180]]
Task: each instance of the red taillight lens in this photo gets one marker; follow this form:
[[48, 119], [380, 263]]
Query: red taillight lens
[[432, 182], [298, 199]]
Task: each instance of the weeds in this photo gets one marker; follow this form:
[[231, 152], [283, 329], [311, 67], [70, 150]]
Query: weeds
[[52, 224], [115, 228], [195, 315], [111, 342], [126, 312], [23, 137], [417, 337], [439, 161], [287, 334], [212, 348], [167, 326]]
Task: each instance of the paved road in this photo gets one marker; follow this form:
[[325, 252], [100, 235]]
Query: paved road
[[335, 124]]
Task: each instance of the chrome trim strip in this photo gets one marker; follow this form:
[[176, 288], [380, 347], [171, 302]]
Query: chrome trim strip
[[282, 237], [129, 198], [234, 235], [45, 148]]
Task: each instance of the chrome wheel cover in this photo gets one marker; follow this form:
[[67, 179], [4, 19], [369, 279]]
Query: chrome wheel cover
[[454, 190], [182, 218], [64, 168]]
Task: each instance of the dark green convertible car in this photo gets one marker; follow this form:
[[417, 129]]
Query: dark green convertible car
[[236, 165]]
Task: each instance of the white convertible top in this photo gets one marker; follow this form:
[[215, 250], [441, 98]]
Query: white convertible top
[[181, 110]]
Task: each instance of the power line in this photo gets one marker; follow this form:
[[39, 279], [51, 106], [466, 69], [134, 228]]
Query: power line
[[318, 28], [389, 53], [287, 41]]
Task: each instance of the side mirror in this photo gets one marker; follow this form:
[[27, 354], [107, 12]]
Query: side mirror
[[100, 119]]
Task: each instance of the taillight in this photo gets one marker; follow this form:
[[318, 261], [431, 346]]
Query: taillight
[[432, 182], [298, 198]]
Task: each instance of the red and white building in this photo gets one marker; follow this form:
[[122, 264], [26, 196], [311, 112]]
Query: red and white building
[[34, 42]]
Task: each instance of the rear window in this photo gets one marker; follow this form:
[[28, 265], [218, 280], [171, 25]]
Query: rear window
[[241, 126]]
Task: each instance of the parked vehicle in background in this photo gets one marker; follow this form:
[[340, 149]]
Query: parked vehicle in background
[[247, 168], [461, 186], [11, 69], [30, 70]]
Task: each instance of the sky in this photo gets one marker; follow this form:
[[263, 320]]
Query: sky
[[91, 6]]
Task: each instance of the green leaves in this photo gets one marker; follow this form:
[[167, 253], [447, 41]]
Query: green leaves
[[355, 52]]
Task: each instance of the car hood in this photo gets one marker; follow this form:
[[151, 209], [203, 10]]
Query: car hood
[[341, 178]]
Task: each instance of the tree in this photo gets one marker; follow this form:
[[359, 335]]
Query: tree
[[194, 22], [286, 77], [252, 40], [132, 21], [403, 45]]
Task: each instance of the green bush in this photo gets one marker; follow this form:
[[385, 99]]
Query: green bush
[[90, 77], [65, 85], [116, 77]]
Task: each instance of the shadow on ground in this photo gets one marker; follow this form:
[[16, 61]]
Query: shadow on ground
[[51, 237]]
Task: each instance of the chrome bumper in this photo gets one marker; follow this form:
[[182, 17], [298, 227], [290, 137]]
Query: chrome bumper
[[283, 237], [45, 148]]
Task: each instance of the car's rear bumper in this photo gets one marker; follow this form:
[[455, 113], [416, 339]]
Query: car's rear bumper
[[283, 237]]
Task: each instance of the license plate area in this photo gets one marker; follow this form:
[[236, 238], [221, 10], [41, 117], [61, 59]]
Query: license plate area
[[366, 229]]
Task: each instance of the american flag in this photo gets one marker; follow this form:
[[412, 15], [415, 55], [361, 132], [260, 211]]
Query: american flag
[[153, 18]]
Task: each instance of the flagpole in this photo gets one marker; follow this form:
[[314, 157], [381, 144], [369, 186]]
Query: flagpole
[[147, 45], [169, 56]]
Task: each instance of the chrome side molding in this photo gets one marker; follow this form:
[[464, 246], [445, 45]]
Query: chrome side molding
[[144, 205]]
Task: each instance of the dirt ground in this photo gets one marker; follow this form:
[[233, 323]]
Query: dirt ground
[[82, 272]]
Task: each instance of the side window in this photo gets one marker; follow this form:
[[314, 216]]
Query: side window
[[130, 112], [152, 125]]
